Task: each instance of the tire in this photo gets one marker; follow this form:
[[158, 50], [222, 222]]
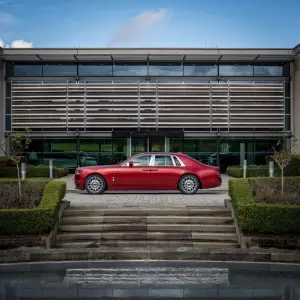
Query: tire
[[95, 184], [189, 184]]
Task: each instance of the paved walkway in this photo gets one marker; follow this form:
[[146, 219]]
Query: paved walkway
[[147, 199], [211, 197]]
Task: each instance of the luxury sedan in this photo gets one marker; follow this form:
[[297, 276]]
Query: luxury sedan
[[149, 171]]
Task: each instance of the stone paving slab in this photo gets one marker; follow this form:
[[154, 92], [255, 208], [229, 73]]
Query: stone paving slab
[[145, 199], [182, 253]]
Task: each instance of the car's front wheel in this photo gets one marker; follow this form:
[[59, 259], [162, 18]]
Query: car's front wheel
[[95, 184], [189, 184]]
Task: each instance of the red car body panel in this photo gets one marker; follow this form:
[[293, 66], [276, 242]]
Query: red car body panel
[[122, 177]]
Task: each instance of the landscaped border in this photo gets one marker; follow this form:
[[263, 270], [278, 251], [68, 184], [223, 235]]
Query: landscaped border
[[37, 220], [263, 218]]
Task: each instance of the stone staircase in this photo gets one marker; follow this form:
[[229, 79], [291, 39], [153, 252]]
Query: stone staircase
[[94, 227]]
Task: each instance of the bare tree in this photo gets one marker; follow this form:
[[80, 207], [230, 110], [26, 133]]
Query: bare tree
[[281, 154], [14, 147]]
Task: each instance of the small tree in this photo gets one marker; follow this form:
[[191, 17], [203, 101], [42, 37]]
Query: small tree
[[281, 154], [14, 147]]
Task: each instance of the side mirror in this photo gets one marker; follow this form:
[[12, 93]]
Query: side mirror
[[130, 164]]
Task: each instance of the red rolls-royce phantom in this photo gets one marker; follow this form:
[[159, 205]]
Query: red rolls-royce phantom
[[149, 171]]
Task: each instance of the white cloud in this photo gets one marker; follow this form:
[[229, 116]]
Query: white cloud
[[6, 18], [138, 26], [20, 44], [16, 44]]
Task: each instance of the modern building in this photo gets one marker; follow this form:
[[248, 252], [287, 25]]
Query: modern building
[[88, 106]]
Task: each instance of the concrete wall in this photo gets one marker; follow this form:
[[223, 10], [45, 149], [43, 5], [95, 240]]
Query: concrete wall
[[296, 102], [2, 101]]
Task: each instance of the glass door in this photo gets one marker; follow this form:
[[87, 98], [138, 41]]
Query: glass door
[[139, 145], [156, 144]]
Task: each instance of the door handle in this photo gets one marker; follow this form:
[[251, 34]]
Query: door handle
[[154, 169], [146, 169]]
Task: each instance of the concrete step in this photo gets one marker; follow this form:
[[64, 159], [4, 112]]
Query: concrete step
[[162, 236], [150, 244], [132, 211], [212, 220], [147, 227], [212, 236]]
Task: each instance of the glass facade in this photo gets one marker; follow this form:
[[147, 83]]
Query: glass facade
[[144, 69], [221, 152], [95, 70]]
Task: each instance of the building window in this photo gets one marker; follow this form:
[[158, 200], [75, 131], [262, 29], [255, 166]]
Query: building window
[[232, 70], [194, 70], [27, 70], [60, 70], [130, 70], [267, 71], [171, 69], [8, 122], [95, 70]]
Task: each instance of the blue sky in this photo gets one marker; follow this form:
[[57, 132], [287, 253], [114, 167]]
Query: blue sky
[[149, 23]]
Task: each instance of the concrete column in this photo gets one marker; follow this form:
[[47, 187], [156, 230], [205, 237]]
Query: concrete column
[[296, 101], [2, 101]]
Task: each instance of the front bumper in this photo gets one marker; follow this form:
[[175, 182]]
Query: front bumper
[[79, 182]]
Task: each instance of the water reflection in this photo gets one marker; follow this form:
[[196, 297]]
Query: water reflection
[[142, 280]]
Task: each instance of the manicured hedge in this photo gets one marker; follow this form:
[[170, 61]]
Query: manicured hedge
[[36, 220], [34, 171], [256, 217], [252, 171]]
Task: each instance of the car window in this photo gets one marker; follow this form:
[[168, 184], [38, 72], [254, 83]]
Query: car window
[[176, 160], [163, 160], [143, 160]]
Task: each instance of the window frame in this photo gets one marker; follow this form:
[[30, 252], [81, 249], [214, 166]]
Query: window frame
[[126, 163], [164, 155]]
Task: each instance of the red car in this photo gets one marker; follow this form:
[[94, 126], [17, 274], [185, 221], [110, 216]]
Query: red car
[[149, 171]]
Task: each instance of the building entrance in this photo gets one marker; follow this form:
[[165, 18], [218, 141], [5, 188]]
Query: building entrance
[[148, 144]]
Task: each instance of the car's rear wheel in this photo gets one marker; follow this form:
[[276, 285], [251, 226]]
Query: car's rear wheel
[[189, 184], [95, 184]]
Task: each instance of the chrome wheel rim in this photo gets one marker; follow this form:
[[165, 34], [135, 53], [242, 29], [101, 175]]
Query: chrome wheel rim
[[189, 184], [95, 184]]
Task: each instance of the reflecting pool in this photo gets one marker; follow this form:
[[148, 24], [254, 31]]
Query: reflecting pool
[[149, 280]]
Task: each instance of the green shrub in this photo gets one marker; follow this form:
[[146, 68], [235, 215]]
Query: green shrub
[[32, 192], [35, 220], [234, 171], [265, 218], [252, 171], [293, 168], [34, 171]]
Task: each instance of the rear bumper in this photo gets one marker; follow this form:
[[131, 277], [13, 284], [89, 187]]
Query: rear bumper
[[212, 182]]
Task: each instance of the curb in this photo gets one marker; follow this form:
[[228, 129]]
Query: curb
[[183, 253], [211, 192]]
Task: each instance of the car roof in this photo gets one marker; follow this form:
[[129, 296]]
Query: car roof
[[160, 153]]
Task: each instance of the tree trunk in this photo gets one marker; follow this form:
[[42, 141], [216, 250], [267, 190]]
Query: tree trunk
[[282, 181], [19, 181]]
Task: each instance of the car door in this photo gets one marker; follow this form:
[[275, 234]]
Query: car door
[[136, 177], [164, 173]]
